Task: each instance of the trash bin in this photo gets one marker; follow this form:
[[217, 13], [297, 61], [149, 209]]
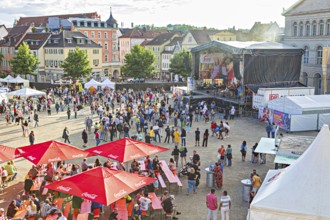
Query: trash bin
[[246, 189], [209, 178]]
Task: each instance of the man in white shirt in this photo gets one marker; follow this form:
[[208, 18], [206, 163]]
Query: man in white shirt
[[225, 205], [144, 203]]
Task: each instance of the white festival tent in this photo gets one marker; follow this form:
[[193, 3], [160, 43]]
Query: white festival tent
[[92, 83], [108, 83], [300, 191], [7, 79], [26, 92], [18, 80]]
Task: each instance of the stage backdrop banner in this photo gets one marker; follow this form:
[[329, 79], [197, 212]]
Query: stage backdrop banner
[[282, 120]]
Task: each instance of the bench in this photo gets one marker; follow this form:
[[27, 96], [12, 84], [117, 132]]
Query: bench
[[169, 174], [161, 181]]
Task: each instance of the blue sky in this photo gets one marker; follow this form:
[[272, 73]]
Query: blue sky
[[211, 13]]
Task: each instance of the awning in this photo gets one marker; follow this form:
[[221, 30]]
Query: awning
[[255, 88], [266, 146]]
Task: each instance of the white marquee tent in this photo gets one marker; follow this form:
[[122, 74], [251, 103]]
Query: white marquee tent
[[92, 83], [18, 80], [303, 113], [108, 83], [300, 191], [7, 79], [26, 92]]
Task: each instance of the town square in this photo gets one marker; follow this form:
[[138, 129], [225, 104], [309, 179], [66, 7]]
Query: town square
[[102, 120]]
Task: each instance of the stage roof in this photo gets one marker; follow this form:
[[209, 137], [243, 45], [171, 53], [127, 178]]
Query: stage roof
[[247, 47]]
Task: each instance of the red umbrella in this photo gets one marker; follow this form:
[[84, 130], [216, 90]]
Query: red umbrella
[[8, 153], [126, 149], [102, 185], [51, 151]]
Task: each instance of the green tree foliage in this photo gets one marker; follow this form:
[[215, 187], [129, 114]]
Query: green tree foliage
[[77, 65], [1, 58], [181, 64], [139, 63], [24, 61]]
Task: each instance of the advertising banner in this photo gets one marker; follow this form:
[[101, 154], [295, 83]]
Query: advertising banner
[[282, 120]]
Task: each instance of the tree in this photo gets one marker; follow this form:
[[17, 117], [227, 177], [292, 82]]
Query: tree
[[181, 64], [139, 63], [24, 61], [77, 65]]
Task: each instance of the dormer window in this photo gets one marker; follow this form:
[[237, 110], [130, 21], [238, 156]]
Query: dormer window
[[31, 43], [37, 42], [49, 41], [69, 41], [56, 41]]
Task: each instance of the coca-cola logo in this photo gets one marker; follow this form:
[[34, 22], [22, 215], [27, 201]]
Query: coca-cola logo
[[113, 156], [97, 151], [31, 158], [141, 183], [77, 156], [89, 196], [153, 151], [135, 156], [64, 188], [119, 194], [54, 159]]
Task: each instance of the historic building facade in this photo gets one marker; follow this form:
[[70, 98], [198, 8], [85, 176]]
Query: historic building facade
[[307, 26]]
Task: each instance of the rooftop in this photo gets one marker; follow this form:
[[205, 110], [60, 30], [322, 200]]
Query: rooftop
[[36, 40], [147, 34], [68, 39], [161, 39]]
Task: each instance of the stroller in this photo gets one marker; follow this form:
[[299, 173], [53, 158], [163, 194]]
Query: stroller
[[185, 169]]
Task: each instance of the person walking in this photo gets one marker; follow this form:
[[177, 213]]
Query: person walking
[[183, 155], [212, 205], [273, 129], [205, 138], [36, 119], [191, 181], [31, 138], [268, 129], [168, 134], [229, 153], [225, 205], [175, 154], [183, 136], [197, 137], [97, 138], [232, 113], [66, 135], [243, 149], [68, 112], [85, 138], [176, 137], [218, 175]]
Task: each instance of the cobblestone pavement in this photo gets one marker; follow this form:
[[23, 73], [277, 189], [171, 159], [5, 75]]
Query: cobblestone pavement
[[193, 206]]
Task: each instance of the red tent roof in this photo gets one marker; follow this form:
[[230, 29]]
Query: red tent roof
[[126, 149], [8, 153], [51, 151], [102, 185]]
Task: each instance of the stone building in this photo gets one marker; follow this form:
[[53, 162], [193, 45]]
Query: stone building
[[307, 26]]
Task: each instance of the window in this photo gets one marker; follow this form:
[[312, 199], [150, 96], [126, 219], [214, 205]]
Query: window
[[60, 51], [306, 55], [95, 62], [55, 51], [100, 44], [55, 63], [295, 29], [105, 35], [99, 34], [308, 28], [319, 54], [69, 41], [328, 27], [190, 39], [86, 33], [71, 51], [321, 31], [301, 29], [50, 51], [46, 51], [93, 34], [105, 45], [106, 58], [95, 51], [314, 28]]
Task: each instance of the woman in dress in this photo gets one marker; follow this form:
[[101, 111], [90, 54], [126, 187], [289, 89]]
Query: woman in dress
[[218, 175], [243, 149]]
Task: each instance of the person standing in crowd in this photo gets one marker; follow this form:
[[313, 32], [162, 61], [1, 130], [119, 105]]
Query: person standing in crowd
[[68, 112], [168, 134], [176, 137], [191, 181], [268, 129], [225, 205], [232, 113], [65, 135], [212, 205], [97, 138], [169, 207], [36, 119], [256, 182], [205, 137], [229, 153], [183, 136], [273, 129], [221, 153], [31, 138], [175, 154], [197, 137], [84, 138], [183, 155], [218, 175], [243, 149]]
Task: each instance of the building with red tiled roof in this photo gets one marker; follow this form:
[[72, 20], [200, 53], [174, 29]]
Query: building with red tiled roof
[[10, 43], [136, 36], [41, 21]]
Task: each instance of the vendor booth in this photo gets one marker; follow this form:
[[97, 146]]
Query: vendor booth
[[300, 191], [26, 92], [92, 83], [107, 83], [7, 79], [301, 113], [236, 69]]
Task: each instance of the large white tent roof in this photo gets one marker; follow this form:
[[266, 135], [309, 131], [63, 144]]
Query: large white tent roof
[[300, 191], [297, 105], [7, 79], [18, 79], [26, 92], [92, 83], [108, 83]]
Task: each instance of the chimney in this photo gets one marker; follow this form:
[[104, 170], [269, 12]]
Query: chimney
[[132, 25], [122, 25]]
